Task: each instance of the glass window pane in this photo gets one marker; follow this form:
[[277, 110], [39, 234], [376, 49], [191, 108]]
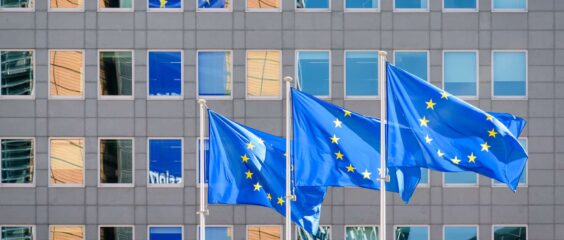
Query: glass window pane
[[158, 4], [17, 233], [165, 161], [66, 161], [66, 4], [412, 233], [313, 72], [116, 233], [324, 233], [523, 178], [510, 233], [165, 233], [411, 4], [217, 233], [206, 158], [510, 73], [116, 71], [214, 73], [165, 73], [460, 73], [16, 3], [116, 161], [264, 233], [424, 176], [312, 4], [16, 73], [460, 4], [263, 73], [361, 232], [361, 73], [115, 3], [66, 73], [361, 4], [413, 62], [217, 4], [460, 233], [509, 4], [17, 160], [263, 4], [461, 178], [66, 232]]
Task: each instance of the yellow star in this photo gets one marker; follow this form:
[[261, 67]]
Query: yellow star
[[440, 154], [260, 141], [485, 146], [366, 174], [489, 117], [347, 113], [249, 174], [269, 196], [337, 123], [250, 146], [428, 139], [472, 158], [455, 160], [431, 104], [257, 186], [339, 155], [350, 168], [335, 139], [280, 201], [423, 121], [244, 158], [492, 133], [444, 95]]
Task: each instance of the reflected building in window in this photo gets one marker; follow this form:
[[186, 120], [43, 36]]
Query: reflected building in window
[[116, 161], [18, 160], [116, 73], [116, 233], [16, 73]]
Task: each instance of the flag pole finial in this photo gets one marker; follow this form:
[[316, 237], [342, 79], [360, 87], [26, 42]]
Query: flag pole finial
[[382, 53], [202, 101], [288, 79]]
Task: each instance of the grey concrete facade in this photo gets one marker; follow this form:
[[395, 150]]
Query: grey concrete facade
[[540, 205]]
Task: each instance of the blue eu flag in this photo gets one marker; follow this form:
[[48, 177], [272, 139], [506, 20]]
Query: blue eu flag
[[336, 147], [247, 167], [451, 134]]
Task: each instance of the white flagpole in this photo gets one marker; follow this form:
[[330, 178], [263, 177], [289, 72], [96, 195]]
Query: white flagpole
[[383, 117], [289, 196], [203, 211]]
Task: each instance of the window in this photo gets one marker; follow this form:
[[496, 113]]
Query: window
[[16, 73], [165, 74], [460, 179], [215, 74], [523, 178], [324, 233], [18, 161], [66, 5], [206, 159], [164, 5], [415, 62], [264, 232], [115, 5], [362, 5], [460, 5], [361, 232], [16, 5], [165, 232], [165, 162], [313, 72], [66, 74], [460, 73], [424, 181], [264, 70], [361, 74], [218, 232], [17, 233], [116, 162], [66, 162], [411, 233], [57, 232], [509, 232], [116, 233], [509, 73], [411, 5], [313, 5], [214, 5], [263, 5], [116, 74], [460, 232], [509, 5]]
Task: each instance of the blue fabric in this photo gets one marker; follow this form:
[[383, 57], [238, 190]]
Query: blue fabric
[[165, 161], [317, 160], [165, 4], [459, 130], [211, 3], [313, 72], [165, 73], [514, 124], [232, 158], [411, 4], [213, 75], [361, 4]]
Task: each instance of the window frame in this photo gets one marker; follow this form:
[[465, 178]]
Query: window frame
[[163, 226], [526, 75], [361, 10], [29, 9], [422, 10], [180, 9], [99, 9], [520, 185], [346, 97], [49, 163], [265, 225], [462, 225], [413, 225], [247, 97], [33, 66], [50, 9], [114, 226], [63, 225], [226, 97], [359, 225], [181, 97], [117, 185], [214, 225], [461, 185], [98, 83], [33, 226], [83, 82], [229, 9], [278, 9], [21, 185], [417, 51], [176, 185], [477, 53], [296, 9], [428, 184], [320, 226], [466, 10], [330, 63], [526, 226], [516, 10]]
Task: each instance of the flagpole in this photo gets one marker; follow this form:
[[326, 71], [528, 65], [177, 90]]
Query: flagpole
[[289, 196], [203, 211], [383, 153]]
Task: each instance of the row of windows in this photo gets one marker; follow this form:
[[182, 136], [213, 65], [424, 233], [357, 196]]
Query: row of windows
[[267, 232], [214, 78], [269, 5], [165, 163]]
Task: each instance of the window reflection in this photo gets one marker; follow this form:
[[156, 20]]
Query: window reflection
[[263, 73], [510, 233], [115, 3], [264, 233], [66, 73], [324, 233], [116, 161], [17, 161], [116, 233], [361, 232], [17, 233], [66, 233], [66, 161], [116, 72], [411, 233], [16, 72], [16, 3], [214, 73], [263, 4], [65, 4], [313, 72]]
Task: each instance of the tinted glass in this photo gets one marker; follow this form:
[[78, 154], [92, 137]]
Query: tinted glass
[[510, 233], [368, 4], [116, 233], [115, 3], [217, 4], [313, 72], [361, 232], [424, 176], [66, 4], [263, 4], [66, 233], [465, 178], [163, 4], [510, 73], [214, 73], [17, 160], [461, 233], [413, 62], [460, 73], [510, 4], [412, 233], [165, 161], [16, 72], [460, 4], [324, 233], [66, 158], [421, 4], [165, 233], [16, 3], [116, 72], [264, 233], [17, 233], [66, 73], [116, 161], [361, 73], [165, 73], [217, 233], [263, 73], [312, 4]]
